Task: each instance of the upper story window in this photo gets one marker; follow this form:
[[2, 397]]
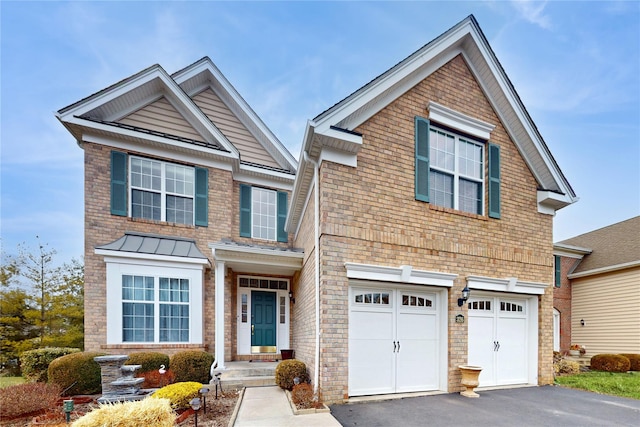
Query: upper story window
[[456, 172], [450, 170], [157, 190], [263, 213], [161, 191]]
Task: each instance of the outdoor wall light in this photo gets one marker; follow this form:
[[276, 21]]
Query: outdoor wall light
[[293, 300], [195, 405], [465, 296]]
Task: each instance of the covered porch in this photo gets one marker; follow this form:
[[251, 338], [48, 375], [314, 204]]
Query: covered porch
[[253, 298]]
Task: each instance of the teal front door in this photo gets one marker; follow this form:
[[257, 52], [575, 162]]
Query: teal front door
[[263, 322]]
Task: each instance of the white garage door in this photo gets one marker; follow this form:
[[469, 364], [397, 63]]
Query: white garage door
[[499, 338], [394, 341]]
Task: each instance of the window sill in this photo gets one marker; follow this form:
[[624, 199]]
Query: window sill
[[163, 223], [457, 212], [132, 346]]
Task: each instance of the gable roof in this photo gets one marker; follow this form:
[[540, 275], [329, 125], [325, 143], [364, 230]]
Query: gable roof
[[104, 114], [332, 128], [612, 247]]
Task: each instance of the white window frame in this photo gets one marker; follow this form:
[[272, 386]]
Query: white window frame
[[272, 231], [456, 174], [163, 188], [117, 267]]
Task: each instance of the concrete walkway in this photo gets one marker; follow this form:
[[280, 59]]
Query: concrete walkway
[[269, 406]]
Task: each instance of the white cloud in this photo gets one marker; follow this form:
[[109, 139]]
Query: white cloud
[[533, 11]]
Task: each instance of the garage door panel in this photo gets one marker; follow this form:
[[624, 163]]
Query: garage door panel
[[481, 347], [512, 340], [393, 347], [498, 340]]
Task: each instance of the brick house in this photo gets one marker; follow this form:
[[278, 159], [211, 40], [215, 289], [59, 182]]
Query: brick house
[[596, 296], [429, 180]]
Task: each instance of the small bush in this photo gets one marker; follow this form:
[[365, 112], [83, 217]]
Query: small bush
[[35, 363], [76, 373], [191, 365], [610, 363], [179, 394], [634, 361], [566, 367], [302, 396], [148, 361], [154, 379], [142, 413], [29, 398], [287, 370]]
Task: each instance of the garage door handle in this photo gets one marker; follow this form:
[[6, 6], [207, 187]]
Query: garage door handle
[[498, 344], [394, 346], [398, 346], [495, 346]]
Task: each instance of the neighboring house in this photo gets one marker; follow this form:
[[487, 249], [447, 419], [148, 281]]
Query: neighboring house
[[597, 290], [429, 179]]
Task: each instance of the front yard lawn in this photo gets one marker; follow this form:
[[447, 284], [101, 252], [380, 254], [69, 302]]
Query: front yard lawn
[[615, 384], [8, 381]]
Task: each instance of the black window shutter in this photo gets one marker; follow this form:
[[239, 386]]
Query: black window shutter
[[118, 183]]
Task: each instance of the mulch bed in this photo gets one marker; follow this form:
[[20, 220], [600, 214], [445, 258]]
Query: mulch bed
[[218, 413]]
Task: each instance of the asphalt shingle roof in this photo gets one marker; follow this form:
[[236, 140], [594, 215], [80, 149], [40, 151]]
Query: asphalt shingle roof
[[612, 245]]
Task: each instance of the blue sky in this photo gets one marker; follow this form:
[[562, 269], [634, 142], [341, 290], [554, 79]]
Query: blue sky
[[576, 66]]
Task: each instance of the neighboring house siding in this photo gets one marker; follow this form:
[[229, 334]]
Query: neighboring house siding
[[608, 304], [249, 148], [161, 116], [562, 302], [370, 216], [101, 227]]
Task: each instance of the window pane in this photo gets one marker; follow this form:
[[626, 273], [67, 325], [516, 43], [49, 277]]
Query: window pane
[[470, 159], [470, 197], [441, 189], [442, 150], [263, 211], [145, 174], [137, 322], [179, 179], [179, 210], [145, 204], [174, 323]]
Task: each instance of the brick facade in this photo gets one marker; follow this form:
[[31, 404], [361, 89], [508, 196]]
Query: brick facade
[[562, 301], [101, 228], [369, 215]]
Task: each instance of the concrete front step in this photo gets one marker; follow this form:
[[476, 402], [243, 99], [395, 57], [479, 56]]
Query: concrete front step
[[237, 383], [247, 374]]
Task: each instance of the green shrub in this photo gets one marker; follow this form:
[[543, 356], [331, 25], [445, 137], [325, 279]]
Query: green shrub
[[191, 365], [35, 363], [610, 363], [179, 394], [76, 373], [149, 361], [566, 367], [289, 369], [634, 361], [142, 413], [21, 399]]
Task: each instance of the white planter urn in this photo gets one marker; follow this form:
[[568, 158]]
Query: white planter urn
[[470, 380]]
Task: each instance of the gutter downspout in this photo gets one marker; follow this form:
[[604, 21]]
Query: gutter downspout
[[316, 227]]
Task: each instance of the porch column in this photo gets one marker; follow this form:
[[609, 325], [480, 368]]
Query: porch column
[[219, 306]]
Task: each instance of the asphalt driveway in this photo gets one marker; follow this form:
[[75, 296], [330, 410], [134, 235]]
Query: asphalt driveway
[[529, 406]]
